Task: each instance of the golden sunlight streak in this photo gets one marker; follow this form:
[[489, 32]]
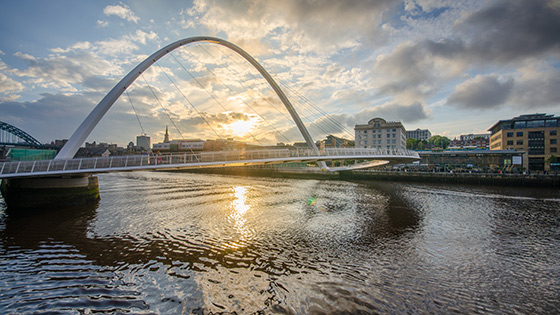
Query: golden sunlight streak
[[240, 208]]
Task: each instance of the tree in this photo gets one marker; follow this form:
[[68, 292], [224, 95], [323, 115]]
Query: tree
[[439, 141], [412, 144]]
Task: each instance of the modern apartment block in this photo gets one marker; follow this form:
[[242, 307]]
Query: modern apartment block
[[419, 134], [378, 133], [143, 142], [535, 134]]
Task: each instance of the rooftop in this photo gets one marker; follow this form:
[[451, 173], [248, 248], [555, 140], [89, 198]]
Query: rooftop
[[527, 117]]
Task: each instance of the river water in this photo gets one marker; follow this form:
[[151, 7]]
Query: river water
[[162, 242]]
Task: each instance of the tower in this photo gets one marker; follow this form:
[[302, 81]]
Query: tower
[[166, 138]]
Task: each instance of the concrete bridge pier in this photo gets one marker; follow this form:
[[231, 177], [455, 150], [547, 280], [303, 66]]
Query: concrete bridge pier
[[49, 192]]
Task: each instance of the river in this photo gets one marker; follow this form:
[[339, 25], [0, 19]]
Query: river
[[162, 242]]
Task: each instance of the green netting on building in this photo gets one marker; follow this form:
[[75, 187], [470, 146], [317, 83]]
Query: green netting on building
[[30, 154]]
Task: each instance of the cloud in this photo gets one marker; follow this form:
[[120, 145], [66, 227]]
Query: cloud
[[539, 90], [141, 36], [122, 11], [101, 23], [63, 71], [512, 30], [8, 86], [482, 92], [395, 112], [53, 116], [427, 5], [414, 71], [297, 25], [493, 36]]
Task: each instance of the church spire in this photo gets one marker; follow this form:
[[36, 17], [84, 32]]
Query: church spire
[[166, 138]]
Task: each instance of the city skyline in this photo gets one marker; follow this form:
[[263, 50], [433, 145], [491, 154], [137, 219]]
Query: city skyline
[[438, 65]]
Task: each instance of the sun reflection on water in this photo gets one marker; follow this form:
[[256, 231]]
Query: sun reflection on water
[[240, 208]]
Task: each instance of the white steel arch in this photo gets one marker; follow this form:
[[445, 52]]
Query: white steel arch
[[84, 130]]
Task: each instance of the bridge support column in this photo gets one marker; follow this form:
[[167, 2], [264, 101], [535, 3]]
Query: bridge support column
[[49, 192]]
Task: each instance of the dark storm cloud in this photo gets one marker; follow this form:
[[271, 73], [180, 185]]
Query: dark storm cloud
[[497, 35], [53, 116], [482, 92], [510, 30]]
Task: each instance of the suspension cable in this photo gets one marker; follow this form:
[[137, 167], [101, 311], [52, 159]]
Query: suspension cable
[[328, 116], [210, 94], [244, 102], [168, 116], [135, 113], [311, 123], [190, 103]]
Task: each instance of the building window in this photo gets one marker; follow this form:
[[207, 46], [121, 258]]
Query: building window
[[520, 133], [535, 123], [519, 124], [510, 142], [553, 150], [510, 134], [553, 132], [519, 142], [553, 141], [551, 123], [536, 142]]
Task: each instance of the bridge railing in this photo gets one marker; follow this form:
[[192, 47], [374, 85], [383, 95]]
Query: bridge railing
[[100, 164], [369, 152]]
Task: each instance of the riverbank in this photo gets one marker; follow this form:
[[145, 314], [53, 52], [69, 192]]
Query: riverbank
[[519, 180]]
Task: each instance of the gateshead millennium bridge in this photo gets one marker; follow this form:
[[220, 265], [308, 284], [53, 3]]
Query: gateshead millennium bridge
[[66, 166]]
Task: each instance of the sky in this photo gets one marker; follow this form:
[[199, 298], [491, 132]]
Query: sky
[[453, 67]]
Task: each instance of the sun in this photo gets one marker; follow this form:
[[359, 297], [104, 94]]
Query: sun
[[241, 127]]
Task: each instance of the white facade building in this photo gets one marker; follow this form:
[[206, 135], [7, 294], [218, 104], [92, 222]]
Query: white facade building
[[419, 134], [179, 145], [380, 134]]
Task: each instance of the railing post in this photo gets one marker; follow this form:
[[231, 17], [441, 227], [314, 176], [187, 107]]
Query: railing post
[[17, 168], [95, 163], [64, 167], [3, 165], [126, 162], [48, 167], [111, 162], [80, 164], [33, 167]]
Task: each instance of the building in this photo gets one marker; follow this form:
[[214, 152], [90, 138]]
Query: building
[[380, 134], [335, 142], [471, 142], [166, 137], [479, 160], [535, 134], [224, 145], [185, 145], [92, 152], [143, 142], [419, 134]]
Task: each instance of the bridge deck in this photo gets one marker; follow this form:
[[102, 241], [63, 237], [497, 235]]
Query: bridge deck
[[196, 160]]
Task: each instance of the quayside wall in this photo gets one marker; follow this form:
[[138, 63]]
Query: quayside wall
[[520, 180]]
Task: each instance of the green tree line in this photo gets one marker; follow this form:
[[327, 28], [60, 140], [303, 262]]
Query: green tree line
[[433, 142]]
